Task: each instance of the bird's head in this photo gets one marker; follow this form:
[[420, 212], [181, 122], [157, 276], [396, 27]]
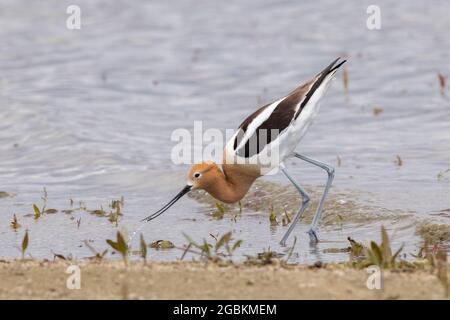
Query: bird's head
[[200, 176]]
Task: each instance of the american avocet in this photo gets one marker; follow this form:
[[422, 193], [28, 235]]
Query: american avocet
[[290, 117]]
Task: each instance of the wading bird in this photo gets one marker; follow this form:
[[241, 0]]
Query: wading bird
[[272, 132]]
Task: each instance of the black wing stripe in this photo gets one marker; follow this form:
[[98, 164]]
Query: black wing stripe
[[268, 131], [244, 125], [321, 76], [281, 117]]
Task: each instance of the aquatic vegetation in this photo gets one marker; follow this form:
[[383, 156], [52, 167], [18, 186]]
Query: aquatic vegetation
[[376, 254], [223, 248], [220, 212], [113, 218], [336, 250], [37, 212], [224, 241], [442, 174], [356, 249], [116, 206], [433, 233], [264, 195], [382, 255], [98, 212], [271, 257], [162, 244], [97, 256], [143, 247], [274, 221], [4, 194], [112, 215], [264, 258], [15, 223], [273, 217], [25, 242], [120, 246]]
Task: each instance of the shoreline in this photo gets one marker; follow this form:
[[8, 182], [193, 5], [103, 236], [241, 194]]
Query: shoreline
[[32, 279]]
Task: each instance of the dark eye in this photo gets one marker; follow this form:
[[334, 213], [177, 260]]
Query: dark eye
[[197, 175]]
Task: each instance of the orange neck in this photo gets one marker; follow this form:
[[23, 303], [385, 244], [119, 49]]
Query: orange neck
[[232, 184]]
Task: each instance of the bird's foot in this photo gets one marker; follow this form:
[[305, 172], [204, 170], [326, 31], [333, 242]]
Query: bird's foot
[[313, 239]]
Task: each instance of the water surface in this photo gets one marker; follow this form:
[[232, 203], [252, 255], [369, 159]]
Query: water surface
[[88, 114]]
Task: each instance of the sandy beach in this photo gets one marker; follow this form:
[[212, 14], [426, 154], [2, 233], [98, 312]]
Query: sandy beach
[[197, 280]]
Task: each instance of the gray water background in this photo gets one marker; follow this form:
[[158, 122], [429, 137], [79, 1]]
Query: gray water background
[[88, 114]]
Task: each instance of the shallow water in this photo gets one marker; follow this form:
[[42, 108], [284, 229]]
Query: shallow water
[[88, 114]]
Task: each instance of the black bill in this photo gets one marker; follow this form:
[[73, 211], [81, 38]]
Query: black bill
[[185, 190]]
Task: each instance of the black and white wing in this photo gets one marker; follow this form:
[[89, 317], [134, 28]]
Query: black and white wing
[[266, 124]]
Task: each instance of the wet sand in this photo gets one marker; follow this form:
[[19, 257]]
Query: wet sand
[[195, 280]]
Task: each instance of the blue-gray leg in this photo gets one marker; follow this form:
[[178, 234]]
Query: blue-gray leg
[[330, 171], [305, 202]]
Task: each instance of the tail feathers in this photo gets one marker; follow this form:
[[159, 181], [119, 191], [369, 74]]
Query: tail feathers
[[330, 70]]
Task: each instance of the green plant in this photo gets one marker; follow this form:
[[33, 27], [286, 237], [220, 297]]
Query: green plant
[[356, 248], [442, 174], [381, 255], [97, 256], [25, 242], [263, 258], [376, 254], [37, 212], [273, 217], [162, 244], [218, 215], [120, 246], [224, 247], [143, 248]]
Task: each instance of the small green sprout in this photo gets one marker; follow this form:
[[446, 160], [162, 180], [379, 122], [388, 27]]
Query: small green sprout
[[162, 244], [273, 217], [218, 215], [37, 212], [120, 246], [214, 252], [25, 243]]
